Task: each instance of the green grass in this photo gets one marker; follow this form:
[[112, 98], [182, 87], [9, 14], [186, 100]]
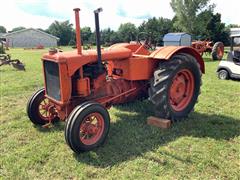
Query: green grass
[[205, 146]]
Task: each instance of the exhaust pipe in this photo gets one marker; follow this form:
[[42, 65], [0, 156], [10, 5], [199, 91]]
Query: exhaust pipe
[[98, 37], [78, 32]]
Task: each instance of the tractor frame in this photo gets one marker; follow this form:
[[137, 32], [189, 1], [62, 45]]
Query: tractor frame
[[80, 86]]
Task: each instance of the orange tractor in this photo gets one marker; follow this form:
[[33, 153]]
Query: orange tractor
[[216, 50], [81, 85]]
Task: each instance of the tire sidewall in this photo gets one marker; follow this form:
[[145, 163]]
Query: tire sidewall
[[78, 119], [214, 53], [33, 108], [223, 72]]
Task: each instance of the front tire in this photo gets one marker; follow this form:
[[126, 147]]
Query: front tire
[[37, 109], [87, 127], [175, 87]]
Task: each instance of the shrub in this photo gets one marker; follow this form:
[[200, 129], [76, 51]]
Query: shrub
[[2, 50]]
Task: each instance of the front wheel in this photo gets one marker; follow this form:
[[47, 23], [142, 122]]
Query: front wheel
[[39, 109], [175, 87], [87, 127]]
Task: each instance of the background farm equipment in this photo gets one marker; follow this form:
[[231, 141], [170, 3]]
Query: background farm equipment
[[81, 85], [184, 39], [38, 47], [216, 50], [5, 59]]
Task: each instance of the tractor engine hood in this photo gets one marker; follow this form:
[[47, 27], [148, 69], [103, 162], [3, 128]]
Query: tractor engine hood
[[74, 60]]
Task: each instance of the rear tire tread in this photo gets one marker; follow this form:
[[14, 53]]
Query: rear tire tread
[[215, 51], [158, 91]]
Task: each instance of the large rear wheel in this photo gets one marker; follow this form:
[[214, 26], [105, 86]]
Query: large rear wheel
[[87, 127], [175, 87]]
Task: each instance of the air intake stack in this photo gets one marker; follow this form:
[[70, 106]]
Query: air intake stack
[[78, 32]]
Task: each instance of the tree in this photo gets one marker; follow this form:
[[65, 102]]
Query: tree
[[3, 29], [114, 38], [203, 19], [187, 12], [72, 42], [40, 29], [156, 28], [216, 30], [63, 30], [127, 32], [109, 37], [18, 28], [233, 26], [86, 34], [2, 50]]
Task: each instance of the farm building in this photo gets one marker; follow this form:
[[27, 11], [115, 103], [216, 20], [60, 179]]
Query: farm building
[[29, 38]]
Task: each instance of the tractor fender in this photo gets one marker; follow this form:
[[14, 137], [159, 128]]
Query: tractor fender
[[165, 53]]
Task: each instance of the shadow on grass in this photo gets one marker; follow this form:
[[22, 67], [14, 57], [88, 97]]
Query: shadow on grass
[[130, 136], [58, 126], [207, 59]]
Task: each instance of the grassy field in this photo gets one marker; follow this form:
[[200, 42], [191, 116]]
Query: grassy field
[[204, 146]]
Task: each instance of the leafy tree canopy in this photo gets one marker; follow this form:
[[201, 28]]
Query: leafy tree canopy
[[156, 28], [3, 29], [17, 28], [187, 14], [63, 30], [127, 32], [233, 26]]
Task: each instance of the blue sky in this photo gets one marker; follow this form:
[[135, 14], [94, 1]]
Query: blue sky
[[41, 13], [39, 9]]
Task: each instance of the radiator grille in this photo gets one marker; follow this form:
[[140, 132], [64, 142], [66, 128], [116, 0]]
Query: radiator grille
[[51, 71]]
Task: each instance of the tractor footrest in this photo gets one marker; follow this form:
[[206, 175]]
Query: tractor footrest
[[158, 122]]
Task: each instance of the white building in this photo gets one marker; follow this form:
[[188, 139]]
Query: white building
[[29, 38]]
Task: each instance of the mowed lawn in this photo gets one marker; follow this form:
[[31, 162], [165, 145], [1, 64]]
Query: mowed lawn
[[204, 146]]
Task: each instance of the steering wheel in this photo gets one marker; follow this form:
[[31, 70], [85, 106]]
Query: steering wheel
[[144, 39]]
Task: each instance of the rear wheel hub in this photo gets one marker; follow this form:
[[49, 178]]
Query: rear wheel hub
[[181, 90]]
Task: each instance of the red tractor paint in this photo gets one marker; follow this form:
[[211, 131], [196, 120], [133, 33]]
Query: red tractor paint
[[91, 129], [46, 110], [81, 84], [181, 90], [216, 50]]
